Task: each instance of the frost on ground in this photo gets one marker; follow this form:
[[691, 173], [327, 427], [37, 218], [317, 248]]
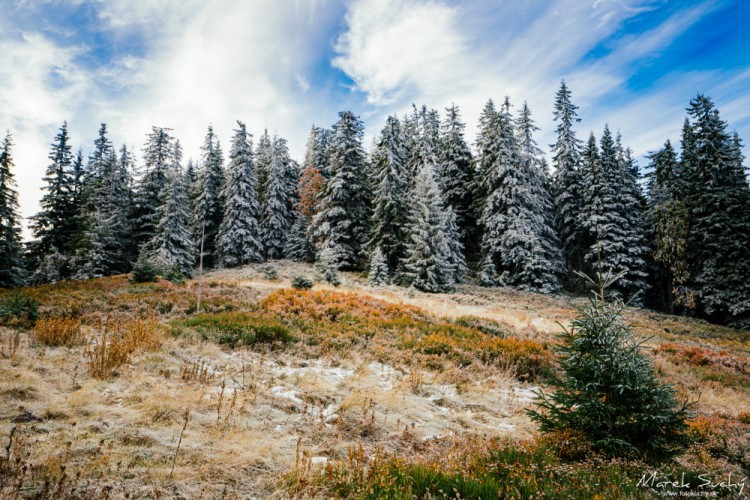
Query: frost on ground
[[255, 414]]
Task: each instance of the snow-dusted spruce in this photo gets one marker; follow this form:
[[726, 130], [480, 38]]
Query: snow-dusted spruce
[[633, 206], [239, 233], [379, 273], [667, 219], [209, 204], [301, 242], [519, 245], [342, 225], [172, 248], [541, 263], [326, 265], [108, 228], [455, 167], [52, 226], [263, 158], [605, 192], [428, 264], [718, 200], [157, 157], [391, 203], [486, 145], [566, 161], [12, 272], [277, 215]]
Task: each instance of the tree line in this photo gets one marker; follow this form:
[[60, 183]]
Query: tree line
[[421, 209]]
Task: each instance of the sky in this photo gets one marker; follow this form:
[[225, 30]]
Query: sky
[[287, 64]]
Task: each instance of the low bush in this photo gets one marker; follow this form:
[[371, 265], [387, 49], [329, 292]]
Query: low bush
[[234, 329], [58, 331], [484, 325], [144, 271], [18, 310], [302, 283]]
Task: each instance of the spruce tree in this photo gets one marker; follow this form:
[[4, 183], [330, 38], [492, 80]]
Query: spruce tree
[[610, 232], [277, 215], [379, 274], [566, 161], [718, 200], [428, 264], [263, 159], [208, 210], [157, 156], [300, 244], [390, 200], [609, 390], [172, 247], [343, 222], [456, 169], [239, 233], [12, 273], [486, 146], [108, 225], [520, 246], [667, 219], [54, 226]]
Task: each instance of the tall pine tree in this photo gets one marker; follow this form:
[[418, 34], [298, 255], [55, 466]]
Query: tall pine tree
[[157, 156], [54, 226], [429, 264], [456, 169], [667, 220], [718, 201], [277, 215], [390, 200], [342, 225], [568, 197], [239, 234], [12, 273], [208, 211]]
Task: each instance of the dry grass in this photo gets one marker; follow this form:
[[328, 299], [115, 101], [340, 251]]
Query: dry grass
[[58, 331], [367, 368]]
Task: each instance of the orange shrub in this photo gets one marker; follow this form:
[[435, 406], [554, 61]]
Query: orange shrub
[[57, 331]]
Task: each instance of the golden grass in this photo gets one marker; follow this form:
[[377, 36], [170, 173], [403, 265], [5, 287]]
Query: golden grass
[[58, 331], [370, 368]]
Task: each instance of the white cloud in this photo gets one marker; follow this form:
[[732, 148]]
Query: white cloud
[[205, 63], [426, 51]]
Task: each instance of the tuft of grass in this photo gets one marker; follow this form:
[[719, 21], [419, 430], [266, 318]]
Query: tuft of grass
[[118, 339], [58, 331], [234, 329]]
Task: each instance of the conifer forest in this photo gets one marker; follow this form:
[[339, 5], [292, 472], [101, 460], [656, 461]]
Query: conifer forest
[[420, 207]]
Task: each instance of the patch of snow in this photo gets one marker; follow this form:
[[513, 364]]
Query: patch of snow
[[387, 375], [286, 394], [525, 395], [319, 460]]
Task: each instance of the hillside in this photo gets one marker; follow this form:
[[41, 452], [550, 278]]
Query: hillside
[[123, 390]]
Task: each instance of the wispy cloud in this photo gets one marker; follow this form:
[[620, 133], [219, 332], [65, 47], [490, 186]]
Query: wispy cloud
[[283, 65]]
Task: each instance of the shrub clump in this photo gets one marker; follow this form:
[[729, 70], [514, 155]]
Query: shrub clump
[[19, 310], [144, 271], [234, 329], [609, 391], [58, 331], [302, 283]]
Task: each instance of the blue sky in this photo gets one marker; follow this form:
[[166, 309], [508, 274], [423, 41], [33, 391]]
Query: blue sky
[[284, 65]]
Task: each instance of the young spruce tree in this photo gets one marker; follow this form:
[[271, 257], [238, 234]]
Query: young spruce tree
[[609, 391]]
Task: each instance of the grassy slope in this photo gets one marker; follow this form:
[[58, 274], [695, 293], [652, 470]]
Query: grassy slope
[[390, 378]]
